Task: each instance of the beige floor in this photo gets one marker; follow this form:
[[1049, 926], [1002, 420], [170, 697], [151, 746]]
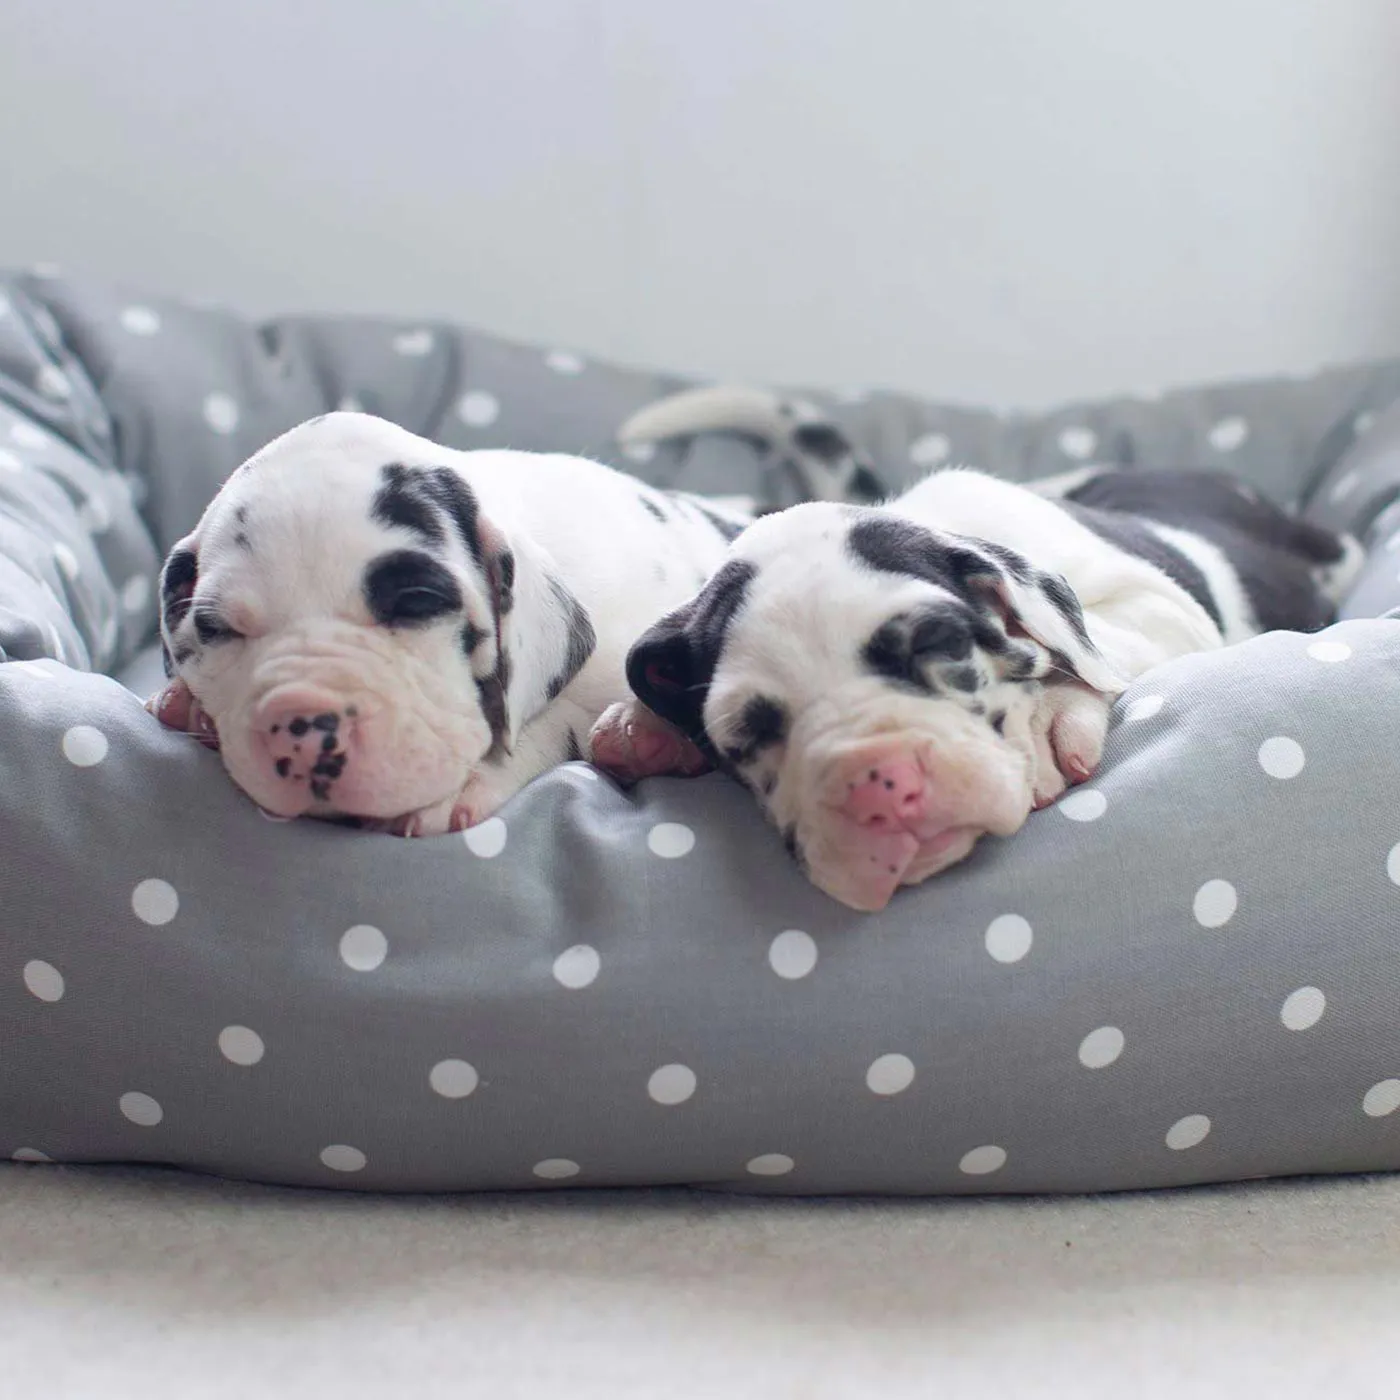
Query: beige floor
[[148, 1285]]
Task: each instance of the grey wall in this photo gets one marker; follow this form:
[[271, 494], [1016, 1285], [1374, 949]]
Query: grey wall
[[995, 199]]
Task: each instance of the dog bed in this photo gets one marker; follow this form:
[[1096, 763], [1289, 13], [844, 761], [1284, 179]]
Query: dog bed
[[1184, 972]]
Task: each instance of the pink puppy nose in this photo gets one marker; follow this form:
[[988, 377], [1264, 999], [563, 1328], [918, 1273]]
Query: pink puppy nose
[[307, 750], [882, 790]]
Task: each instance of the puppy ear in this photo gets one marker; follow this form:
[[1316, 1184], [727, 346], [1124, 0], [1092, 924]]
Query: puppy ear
[[665, 675], [671, 665], [1042, 606], [178, 577]]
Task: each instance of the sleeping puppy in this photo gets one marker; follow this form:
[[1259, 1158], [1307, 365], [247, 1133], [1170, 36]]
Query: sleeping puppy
[[893, 683], [380, 628]]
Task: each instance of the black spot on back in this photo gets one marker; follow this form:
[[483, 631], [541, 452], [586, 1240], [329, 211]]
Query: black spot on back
[[728, 530]]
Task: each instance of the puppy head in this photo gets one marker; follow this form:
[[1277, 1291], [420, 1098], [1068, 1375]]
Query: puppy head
[[873, 683], [362, 635]]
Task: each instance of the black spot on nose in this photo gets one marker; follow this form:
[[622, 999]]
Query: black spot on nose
[[327, 723], [284, 766], [328, 744], [299, 726]]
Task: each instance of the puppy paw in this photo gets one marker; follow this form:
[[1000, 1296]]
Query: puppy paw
[[1068, 731], [629, 742], [176, 708]]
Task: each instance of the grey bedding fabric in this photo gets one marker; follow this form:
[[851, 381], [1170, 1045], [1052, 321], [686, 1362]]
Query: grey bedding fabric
[[1184, 972]]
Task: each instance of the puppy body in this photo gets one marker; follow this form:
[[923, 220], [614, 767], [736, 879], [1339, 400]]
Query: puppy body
[[383, 628], [892, 683]]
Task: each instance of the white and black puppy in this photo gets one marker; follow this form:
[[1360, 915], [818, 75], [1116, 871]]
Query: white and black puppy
[[382, 628], [892, 683]]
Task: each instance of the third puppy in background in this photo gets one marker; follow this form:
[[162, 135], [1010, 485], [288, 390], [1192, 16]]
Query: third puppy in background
[[894, 682]]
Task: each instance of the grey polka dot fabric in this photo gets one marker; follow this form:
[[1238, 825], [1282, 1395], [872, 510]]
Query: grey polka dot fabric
[[1183, 972]]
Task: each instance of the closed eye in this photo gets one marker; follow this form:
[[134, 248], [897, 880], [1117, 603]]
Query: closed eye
[[408, 588], [212, 629]]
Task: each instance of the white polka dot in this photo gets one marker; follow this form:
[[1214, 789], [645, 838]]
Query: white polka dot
[[1228, 434], [140, 320], [44, 980], [564, 362], [155, 902], [1381, 1099], [769, 1164], [363, 947], [141, 1109], [10, 461], [930, 450], [53, 383], [414, 343], [1215, 903], [982, 1161], [1145, 708], [220, 413], [1100, 1048], [84, 746], [1186, 1132], [671, 1084], [1008, 938], [67, 561], [1302, 1010], [136, 593], [555, 1169], [1344, 486], [1329, 651], [1078, 442], [1281, 757], [793, 954], [241, 1046], [1363, 422], [890, 1074], [453, 1079], [1082, 805], [340, 1157], [29, 1154], [639, 452], [577, 967], [487, 839], [94, 515], [27, 435], [670, 840], [478, 409]]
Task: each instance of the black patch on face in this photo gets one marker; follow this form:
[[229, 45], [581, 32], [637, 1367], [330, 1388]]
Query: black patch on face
[[998, 721], [650, 505], [581, 641], [242, 542], [472, 637], [402, 502], [670, 668], [903, 649], [501, 573], [211, 629], [409, 589], [965, 678], [762, 722], [895, 546]]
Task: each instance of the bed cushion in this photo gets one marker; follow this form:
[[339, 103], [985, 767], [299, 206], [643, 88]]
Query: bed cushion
[[1176, 975]]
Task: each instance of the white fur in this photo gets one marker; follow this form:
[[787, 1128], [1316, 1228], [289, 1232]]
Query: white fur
[[297, 594]]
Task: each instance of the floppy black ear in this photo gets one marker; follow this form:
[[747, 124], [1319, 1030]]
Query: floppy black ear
[[663, 673], [672, 663]]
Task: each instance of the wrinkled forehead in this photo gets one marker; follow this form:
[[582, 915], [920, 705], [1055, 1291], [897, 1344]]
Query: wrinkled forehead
[[816, 597], [308, 513]]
